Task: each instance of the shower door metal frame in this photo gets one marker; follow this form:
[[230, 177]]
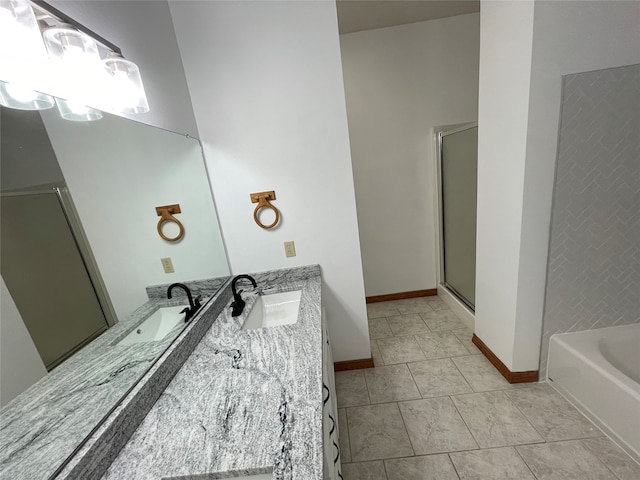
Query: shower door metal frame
[[84, 247], [439, 137]]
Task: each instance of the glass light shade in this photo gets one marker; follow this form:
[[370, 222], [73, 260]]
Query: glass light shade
[[16, 96], [79, 77], [70, 110], [19, 32], [70, 45], [22, 52], [125, 91]]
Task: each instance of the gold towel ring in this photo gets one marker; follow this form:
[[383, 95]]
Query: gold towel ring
[[262, 199], [166, 213]]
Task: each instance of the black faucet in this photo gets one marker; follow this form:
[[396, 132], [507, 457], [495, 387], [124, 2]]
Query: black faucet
[[194, 305], [238, 303]]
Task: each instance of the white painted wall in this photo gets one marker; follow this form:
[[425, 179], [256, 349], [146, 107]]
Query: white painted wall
[[400, 82], [266, 84], [506, 35], [514, 204], [117, 173], [26, 157], [20, 363], [144, 32]]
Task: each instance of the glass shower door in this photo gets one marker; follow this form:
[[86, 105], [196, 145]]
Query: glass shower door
[[458, 182]]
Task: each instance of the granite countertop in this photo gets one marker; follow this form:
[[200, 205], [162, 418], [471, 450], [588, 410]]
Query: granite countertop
[[43, 426], [244, 402]]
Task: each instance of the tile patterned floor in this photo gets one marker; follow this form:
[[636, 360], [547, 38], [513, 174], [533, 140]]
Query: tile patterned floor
[[434, 408]]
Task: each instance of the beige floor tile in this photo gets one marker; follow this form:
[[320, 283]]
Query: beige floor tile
[[376, 355], [400, 350], [551, 415], [351, 388], [440, 345], [343, 430], [364, 471], [436, 304], [436, 378], [481, 375], [435, 426], [564, 461], [377, 432], [379, 328], [621, 464], [413, 305], [465, 335], [407, 325], [390, 384], [493, 464], [381, 309], [431, 467], [442, 320], [494, 420]]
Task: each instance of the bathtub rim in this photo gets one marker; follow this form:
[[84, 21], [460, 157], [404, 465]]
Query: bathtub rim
[[611, 375]]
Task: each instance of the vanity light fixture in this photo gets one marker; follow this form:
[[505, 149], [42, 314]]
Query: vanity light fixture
[[18, 27], [82, 68]]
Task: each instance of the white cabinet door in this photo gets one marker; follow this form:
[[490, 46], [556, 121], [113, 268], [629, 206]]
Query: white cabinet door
[[331, 433]]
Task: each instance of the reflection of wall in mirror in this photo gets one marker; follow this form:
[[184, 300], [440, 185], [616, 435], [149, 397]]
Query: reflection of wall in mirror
[[20, 364], [117, 172]]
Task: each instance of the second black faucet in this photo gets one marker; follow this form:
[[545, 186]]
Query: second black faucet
[[238, 303]]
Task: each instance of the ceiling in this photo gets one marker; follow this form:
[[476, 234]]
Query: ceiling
[[358, 15]]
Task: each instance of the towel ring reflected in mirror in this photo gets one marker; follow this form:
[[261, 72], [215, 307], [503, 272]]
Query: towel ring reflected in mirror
[[166, 213]]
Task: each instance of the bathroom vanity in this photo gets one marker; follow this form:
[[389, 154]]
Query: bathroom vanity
[[224, 401], [246, 402]]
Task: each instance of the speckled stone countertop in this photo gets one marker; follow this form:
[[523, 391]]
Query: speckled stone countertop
[[43, 426], [244, 402]]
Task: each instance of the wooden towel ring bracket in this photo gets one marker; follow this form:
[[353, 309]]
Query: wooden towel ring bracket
[[166, 213], [263, 201]]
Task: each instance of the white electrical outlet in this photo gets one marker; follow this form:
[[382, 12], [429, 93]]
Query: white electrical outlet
[[167, 265], [290, 249]]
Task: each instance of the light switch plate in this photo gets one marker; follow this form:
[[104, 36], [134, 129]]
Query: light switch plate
[[290, 249], [167, 265]]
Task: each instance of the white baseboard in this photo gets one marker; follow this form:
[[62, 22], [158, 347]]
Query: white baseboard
[[459, 308]]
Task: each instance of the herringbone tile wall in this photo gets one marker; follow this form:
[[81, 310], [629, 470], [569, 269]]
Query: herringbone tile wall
[[593, 275]]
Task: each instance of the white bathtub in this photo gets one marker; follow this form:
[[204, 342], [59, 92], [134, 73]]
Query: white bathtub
[[599, 372]]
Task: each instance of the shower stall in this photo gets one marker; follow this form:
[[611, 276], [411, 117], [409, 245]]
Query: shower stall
[[458, 172]]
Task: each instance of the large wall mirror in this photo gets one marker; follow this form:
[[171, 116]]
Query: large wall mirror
[[102, 181]]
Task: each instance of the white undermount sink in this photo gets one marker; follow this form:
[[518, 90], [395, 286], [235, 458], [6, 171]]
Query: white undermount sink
[[273, 310], [156, 327]]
